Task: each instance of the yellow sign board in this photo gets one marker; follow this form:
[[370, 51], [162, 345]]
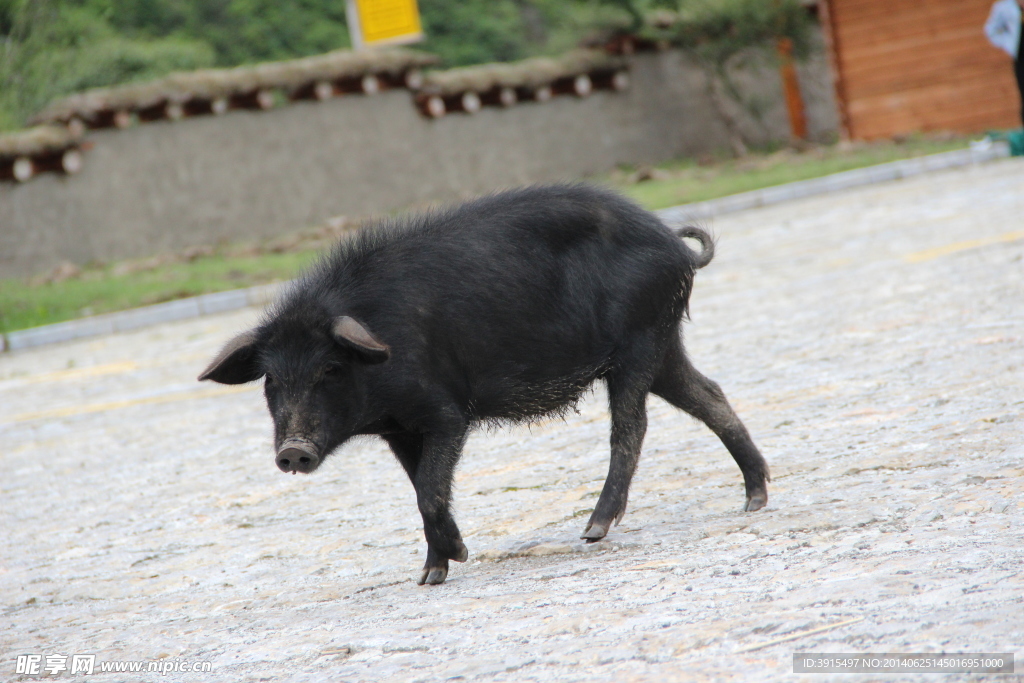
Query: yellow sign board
[[383, 22]]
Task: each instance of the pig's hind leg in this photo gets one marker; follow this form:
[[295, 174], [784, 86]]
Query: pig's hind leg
[[429, 460], [683, 386], [628, 384]]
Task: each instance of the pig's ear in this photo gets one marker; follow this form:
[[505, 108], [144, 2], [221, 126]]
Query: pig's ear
[[352, 334], [237, 363]]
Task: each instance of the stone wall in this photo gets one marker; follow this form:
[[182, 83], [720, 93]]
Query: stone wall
[[251, 175]]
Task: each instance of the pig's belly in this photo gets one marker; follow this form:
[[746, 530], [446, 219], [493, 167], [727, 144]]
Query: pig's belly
[[528, 395]]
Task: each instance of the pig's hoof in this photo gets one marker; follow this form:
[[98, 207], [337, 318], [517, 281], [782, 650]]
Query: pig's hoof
[[461, 554], [595, 532], [756, 502], [433, 576]]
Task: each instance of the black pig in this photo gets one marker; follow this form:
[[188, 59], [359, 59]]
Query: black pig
[[504, 309]]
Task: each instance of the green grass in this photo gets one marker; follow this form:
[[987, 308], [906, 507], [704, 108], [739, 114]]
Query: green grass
[[100, 289], [690, 180]]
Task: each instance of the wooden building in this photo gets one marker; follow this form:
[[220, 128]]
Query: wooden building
[[905, 66]]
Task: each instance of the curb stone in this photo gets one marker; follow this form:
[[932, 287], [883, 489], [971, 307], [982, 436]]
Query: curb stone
[[262, 295]]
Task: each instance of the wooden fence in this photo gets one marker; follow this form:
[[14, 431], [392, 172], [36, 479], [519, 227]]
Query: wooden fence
[[905, 66]]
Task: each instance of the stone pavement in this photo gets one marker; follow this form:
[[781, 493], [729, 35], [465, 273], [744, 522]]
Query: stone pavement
[[872, 340]]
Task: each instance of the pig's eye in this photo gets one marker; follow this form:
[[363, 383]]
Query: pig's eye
[[331, 370], [267, 379]]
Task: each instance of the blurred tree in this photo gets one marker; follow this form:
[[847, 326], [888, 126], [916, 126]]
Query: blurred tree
[[50, 48], [239, 31], [474, 31]]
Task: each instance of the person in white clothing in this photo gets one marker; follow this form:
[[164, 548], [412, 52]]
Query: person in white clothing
[[1005, 31]]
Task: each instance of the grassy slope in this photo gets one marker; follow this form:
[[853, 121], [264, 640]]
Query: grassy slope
[[686, 180], [101, 289]]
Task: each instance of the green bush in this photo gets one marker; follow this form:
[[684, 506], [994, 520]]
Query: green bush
[[473, 31], [50, 48], [718, 29]]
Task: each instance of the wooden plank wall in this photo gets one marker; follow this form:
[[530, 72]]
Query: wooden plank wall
[[905, 66]]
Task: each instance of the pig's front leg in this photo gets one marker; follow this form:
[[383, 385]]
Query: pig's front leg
[[433, 481]]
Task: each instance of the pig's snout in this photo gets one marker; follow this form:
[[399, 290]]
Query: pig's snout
[[297, 456]]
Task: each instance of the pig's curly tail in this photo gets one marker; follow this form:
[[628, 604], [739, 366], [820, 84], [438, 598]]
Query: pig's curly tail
[[707, 244]]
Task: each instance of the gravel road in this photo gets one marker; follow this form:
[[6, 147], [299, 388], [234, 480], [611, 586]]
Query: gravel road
[[872, 341]]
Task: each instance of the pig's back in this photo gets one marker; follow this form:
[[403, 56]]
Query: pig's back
[[519, 301]]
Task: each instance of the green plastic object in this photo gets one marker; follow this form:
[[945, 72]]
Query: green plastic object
[[1016, 140]]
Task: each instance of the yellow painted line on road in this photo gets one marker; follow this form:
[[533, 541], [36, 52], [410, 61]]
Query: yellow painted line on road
[[794, 636], [929, 254], [656, 564], [70, 411], [77, 373]]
